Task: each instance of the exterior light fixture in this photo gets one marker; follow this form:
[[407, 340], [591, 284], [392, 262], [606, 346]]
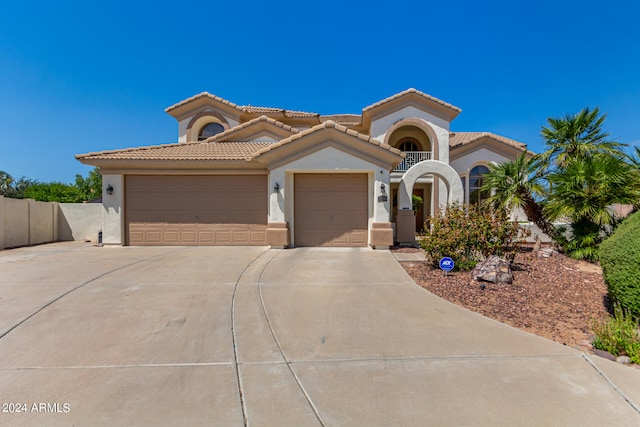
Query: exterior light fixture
[[109, 189], [382, 198], [276, 188]]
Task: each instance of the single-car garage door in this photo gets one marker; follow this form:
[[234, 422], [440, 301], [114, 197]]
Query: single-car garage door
[[330, 210], [196, 210]]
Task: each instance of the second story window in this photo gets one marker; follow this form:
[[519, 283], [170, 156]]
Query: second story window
[[408, 145], [210, 130]]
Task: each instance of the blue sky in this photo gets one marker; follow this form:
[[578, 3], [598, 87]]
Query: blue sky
[[81, 76]]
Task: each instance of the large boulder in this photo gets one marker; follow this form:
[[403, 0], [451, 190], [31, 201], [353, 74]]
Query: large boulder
[[493, 269]]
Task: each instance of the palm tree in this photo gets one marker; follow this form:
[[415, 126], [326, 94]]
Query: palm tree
[[574, 137], [583, 192], [635, 159], [516, 184]]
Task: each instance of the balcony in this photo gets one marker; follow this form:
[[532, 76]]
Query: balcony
[[412, 158]]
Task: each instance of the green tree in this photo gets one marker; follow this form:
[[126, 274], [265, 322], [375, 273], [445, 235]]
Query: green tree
[[635, 158], [6, 182], [91, 186], [516, 184], [14, 188], [583, 191], [54, 192], [574, 137]]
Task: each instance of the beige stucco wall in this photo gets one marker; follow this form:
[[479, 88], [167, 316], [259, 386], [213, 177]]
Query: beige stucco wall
[[463, 164], [438, 129], [79, 221], [25, 222], [379, 125], [16, 222], [183, 124], [43, 222], [113, 210], [1, 223], [327, 160]]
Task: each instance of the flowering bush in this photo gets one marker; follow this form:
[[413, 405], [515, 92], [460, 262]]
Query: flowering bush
[[468, 235]]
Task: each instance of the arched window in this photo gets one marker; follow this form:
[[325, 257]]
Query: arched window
[[476, 180], [408, 145], [210, 130]]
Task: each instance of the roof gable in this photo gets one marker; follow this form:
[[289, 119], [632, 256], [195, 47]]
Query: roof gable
[[329, 134], [464, 142], [466, 138], [198, 102], [258, 129], [414, 97]]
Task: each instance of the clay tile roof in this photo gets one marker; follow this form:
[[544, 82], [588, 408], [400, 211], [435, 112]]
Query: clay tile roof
[[465, 138], [182, 151], [269, 110], [343, 119], [266, 119], [252, 109], [326, 125], [292, 113], [417, 92], [202, 95]]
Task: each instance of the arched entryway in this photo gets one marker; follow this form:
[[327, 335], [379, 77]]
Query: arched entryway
[[405, 218]]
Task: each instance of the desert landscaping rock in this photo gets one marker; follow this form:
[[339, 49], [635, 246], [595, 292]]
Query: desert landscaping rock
[[493, 269], [546, 252]]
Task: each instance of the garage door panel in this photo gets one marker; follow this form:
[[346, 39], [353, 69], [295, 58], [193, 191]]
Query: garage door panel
[[331, 209], [196, 210]]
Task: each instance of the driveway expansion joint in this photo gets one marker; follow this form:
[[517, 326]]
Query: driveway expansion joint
[[284, 356], [611, 383]]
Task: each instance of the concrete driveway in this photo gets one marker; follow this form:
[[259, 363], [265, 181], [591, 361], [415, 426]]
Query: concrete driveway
[[235, 336]]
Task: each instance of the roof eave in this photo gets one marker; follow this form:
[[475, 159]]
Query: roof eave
[[178, 164]]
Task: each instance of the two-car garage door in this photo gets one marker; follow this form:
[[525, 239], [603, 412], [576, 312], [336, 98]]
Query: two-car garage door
[[196, 210]]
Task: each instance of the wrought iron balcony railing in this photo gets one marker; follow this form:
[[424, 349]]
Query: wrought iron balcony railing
[[412, 158]]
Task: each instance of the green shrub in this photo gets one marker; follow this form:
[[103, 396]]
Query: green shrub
[[618, 335], [467, 235], [620, 261], [416, 202]]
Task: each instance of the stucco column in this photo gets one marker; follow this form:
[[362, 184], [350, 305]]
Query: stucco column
[[277, 227], [113, 210], [406, 227], [381, 231]]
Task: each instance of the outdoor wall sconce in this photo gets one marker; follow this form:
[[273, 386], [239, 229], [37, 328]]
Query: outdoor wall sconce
[[276, 188], [109, 189], [382, 198]]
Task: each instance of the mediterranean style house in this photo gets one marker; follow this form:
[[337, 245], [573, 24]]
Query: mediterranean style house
[[245, 175]]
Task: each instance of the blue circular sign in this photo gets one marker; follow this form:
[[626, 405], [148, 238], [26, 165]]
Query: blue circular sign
[[446, 264]]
